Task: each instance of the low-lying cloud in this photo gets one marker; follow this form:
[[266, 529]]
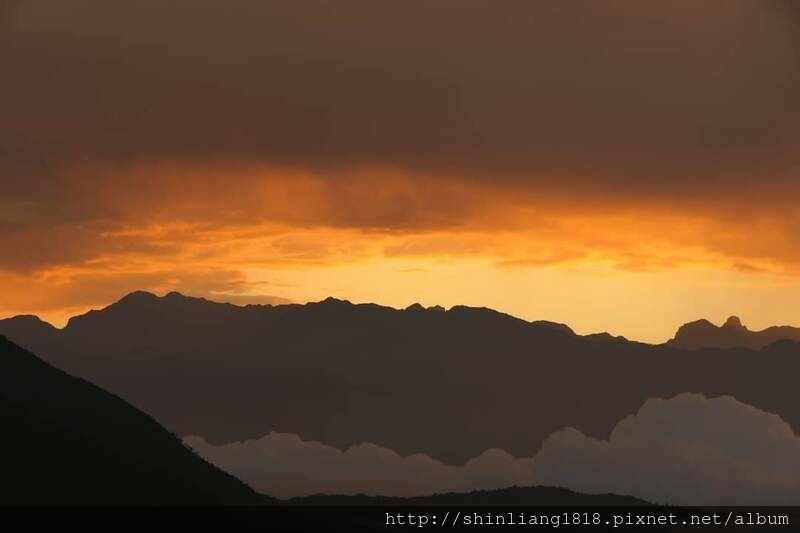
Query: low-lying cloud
[[688, 450], [285, 466], [685, 451]]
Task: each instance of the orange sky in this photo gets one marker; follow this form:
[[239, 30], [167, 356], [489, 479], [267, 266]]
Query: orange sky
[[620, 166], [630, 267]]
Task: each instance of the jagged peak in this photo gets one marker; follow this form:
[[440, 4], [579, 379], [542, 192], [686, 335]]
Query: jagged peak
[[733, 322], [330, 300]]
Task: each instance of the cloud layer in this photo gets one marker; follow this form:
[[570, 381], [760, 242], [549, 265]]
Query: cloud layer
[[284, 466], [174, 141], [685, 451], [597, 91]]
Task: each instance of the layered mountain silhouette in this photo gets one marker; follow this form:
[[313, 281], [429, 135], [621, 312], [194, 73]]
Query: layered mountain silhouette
[[732, 334], [450, 384], [65, 441]]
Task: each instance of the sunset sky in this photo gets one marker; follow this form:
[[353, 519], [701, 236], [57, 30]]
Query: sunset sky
[[617, 166]]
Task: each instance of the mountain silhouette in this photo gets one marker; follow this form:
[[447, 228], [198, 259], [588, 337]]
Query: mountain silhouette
[[732, 334], [450, 384], [348, 513], [66, 442], [512, 496]]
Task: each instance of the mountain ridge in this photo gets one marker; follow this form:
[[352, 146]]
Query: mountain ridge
[[694, 335], [731, 334], [356, 372], [511, 496], [145, 298]]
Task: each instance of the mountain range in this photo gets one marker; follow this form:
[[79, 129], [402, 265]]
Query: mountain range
[[447, 383], [65, 441], [732, 334]]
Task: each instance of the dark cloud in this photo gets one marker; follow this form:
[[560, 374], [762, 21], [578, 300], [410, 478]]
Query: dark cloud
[[8, 12], [649, 96], [118, 118], [95, 288]]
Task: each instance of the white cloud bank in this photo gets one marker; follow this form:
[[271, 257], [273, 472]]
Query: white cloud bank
[[284, 466], [685, 451]]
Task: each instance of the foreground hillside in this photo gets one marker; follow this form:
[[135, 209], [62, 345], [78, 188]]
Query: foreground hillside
[[65, 441]]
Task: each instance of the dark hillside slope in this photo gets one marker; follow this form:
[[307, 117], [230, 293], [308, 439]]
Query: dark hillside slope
[[65, 441]]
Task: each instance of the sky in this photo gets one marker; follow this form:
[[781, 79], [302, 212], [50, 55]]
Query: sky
[[619, 166]]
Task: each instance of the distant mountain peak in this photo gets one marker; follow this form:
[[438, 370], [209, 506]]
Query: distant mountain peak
[[330, 300], [702, 323], [733, 322], [732, 334], [25, 328], [174, 295], [557, 326], [30, 319], [137, 296], [419, 308]]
